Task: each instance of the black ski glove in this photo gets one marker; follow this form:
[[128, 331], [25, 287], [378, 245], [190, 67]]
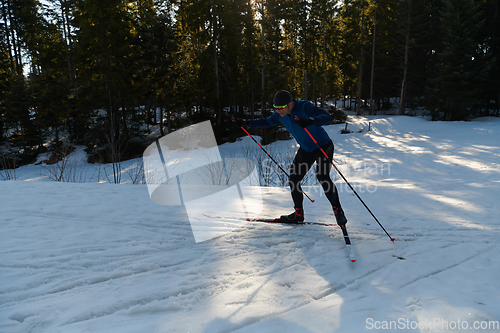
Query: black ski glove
[[304, 122], [240, 122]]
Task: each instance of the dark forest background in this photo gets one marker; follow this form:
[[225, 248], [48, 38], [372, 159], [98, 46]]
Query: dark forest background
[[102, 73]]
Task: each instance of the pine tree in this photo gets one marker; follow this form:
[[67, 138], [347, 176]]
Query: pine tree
[[248, 60], [23, 28], [5, 77], [459, 69], [490, 45], [157, 50], [106, 60]]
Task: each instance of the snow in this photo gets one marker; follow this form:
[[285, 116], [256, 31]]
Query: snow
[[98, 257]]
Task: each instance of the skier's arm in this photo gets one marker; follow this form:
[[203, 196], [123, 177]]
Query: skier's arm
[[320, 116], [271, 121]]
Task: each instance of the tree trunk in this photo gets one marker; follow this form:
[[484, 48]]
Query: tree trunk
[[16, 44], [373, 61], [360, 67], [215, 43], [305, 85], [323, 76], [162, 132], [262, 99], [7, 35], [402, 99]]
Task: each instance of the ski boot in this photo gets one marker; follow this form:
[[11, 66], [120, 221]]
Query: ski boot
[[297, 216], [339, 215]]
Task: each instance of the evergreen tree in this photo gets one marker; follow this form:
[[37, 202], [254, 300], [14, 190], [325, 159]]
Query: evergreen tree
[[490, 45], [459, 69], [5, 78], [248, 60], [22, 27], [49, 79], [424, 46], [334, 54], [106, 64], [157, 43]]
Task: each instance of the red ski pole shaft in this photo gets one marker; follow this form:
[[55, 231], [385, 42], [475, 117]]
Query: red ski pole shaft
[[279, 166], [352, 189]]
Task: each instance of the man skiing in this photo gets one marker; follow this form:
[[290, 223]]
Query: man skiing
[[296, 115]]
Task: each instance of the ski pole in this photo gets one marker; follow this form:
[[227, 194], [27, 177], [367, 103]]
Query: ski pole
[[352, 189], [279, 166]]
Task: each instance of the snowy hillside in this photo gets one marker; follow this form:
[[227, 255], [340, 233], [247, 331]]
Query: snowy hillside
[[92, 257]]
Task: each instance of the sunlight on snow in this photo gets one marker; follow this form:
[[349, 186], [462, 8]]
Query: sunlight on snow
[[468, 163], [455, 202]]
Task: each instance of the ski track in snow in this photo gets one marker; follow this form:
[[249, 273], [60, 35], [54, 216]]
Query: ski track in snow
[[104, 258]]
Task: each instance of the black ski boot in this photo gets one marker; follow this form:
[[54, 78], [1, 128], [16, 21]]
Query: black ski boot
[[339, 215], [297, 216]]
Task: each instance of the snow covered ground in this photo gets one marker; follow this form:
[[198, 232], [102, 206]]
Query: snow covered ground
[[94, 257]]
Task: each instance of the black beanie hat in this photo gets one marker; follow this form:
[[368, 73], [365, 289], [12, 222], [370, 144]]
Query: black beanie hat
[[282, 98]]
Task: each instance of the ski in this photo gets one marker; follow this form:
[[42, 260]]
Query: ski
[[348, 243], [264, 220], [292, 223], [347, 240]]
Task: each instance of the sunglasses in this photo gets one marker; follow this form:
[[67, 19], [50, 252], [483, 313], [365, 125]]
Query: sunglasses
[[280, 107]]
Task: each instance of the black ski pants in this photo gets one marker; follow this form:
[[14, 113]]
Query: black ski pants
[[301, 164]]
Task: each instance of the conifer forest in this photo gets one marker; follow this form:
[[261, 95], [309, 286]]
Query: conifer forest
[[104, 73]]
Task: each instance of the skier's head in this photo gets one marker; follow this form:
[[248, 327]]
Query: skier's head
[[281, 99]]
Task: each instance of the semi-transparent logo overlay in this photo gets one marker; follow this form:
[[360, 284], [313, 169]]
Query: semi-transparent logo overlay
[[185, 168]]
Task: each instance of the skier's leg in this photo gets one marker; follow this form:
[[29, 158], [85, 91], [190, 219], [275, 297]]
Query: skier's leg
[[324, 166], [301, 164]]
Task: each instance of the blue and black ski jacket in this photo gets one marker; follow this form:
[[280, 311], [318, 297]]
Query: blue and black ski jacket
[[302, 109]]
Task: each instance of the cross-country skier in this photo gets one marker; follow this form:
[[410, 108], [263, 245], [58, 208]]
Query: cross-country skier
[[295, 115]]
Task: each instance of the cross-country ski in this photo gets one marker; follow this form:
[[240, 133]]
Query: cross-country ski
[[279, 221]]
